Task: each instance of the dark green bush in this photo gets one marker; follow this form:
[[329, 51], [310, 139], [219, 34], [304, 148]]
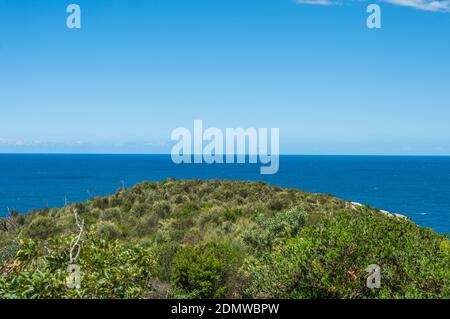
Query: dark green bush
[[108, 230], [205, 271], [42, 227]]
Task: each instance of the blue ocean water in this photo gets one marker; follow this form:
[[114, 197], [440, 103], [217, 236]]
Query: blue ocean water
[[418, 187]]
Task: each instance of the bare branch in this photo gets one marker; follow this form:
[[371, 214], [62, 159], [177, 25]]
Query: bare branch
[[76, 242]]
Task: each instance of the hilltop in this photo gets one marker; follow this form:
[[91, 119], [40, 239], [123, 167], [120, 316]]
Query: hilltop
[[221, 239]]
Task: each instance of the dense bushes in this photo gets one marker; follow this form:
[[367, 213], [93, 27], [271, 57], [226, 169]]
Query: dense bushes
[[42, 227], [108, 270], [213, 239], [329, 258], [108, 230], [205, 271], [268, 231], [8, 251]]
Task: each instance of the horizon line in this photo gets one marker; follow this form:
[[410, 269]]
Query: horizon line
[[193, 154]]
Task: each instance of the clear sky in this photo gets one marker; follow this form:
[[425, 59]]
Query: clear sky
[[138, 69]]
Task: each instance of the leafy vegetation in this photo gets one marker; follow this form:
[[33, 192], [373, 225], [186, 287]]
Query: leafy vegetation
[[221, 239]]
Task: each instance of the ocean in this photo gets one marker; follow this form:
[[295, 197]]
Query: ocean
[[418, 187]]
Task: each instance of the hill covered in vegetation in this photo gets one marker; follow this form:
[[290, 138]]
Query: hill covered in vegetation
[[220, 239]]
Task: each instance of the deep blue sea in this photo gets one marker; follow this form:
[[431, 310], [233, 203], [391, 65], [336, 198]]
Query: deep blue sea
[[418, 187]]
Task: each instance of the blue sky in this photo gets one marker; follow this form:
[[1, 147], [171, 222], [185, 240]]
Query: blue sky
[[138, 69]]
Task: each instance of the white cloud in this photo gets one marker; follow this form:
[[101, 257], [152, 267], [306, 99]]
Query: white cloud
[[7, 141], [18, 142], [427, 5]]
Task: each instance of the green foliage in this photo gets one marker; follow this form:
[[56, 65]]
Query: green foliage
[[108, 270], [8, 251], [213, 239], [268, 231], [205, 271], [108, 230], [328, 260], [42, 227]]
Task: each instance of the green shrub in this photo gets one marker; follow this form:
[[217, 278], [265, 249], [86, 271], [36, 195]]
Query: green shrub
[[162, 209], [165, 255], [8, 251], [108, 230], [108, 270], [42, 227], [328, 260], [205, 271], [268, 231]]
